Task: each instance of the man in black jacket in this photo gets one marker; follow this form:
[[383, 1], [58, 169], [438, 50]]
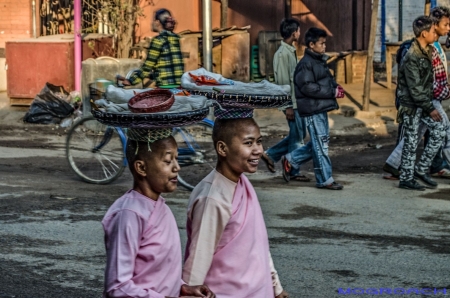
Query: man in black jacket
[[415, 92], [316, 92]]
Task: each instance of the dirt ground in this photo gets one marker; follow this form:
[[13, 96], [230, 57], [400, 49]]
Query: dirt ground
[[50, 193]]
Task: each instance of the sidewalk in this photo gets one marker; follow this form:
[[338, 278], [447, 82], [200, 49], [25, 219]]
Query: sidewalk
[[349, 119]]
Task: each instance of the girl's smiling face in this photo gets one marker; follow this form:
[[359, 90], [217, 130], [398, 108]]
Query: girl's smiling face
[[243, 151]]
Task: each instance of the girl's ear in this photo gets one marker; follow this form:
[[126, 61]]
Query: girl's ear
[[221, 148], [139, 167]]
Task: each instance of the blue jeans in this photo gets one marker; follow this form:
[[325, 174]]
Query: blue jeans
[[293, 141], [316, 149]]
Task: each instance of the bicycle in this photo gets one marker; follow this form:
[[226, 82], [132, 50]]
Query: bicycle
[[96, 152]]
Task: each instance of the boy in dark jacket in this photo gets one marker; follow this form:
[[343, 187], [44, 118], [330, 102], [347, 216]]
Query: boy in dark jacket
[[415, 93], [316, 92], [441, 91]]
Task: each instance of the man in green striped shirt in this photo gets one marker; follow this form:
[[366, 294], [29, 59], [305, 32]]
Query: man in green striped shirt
[[164, 63]]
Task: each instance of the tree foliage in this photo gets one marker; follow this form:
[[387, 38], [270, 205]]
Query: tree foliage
[[119, 18]]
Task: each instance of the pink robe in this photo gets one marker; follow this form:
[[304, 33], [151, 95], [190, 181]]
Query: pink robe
[[143, 248], [228, 247]]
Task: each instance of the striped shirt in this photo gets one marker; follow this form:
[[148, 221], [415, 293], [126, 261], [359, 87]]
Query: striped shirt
[[164, 59]]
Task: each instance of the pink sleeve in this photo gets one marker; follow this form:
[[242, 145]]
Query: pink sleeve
[[209, 218], [275, 279], [122, 240]]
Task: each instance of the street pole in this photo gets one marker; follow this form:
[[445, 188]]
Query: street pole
[[224, 13], [400, 20], [77, 48], [287, 8], [33, 12], [370, 52], [427, 7], [207, 35]]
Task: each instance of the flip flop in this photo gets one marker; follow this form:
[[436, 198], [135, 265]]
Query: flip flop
[[390, 177], [286, 169], [301, 178], [269, 162]]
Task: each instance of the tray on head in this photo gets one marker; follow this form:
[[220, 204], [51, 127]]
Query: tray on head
[[251, 101], [153, 120]]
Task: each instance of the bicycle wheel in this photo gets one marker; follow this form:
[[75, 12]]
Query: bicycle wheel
[[95, 152], [196, 153]]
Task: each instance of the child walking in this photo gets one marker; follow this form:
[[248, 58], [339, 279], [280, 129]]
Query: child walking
[[316, 92], [415, 91], [284, 63], [141, 236], [228, 247]]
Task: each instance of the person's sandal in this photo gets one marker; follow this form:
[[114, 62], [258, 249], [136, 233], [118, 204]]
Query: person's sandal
[[269, 162], [332, 186], [286, 169], [395, 174]]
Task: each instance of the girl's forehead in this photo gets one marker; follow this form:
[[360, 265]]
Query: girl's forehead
[[248, 131], [166, 145]]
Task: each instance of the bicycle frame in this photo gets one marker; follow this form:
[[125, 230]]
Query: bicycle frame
[[185, 155], [123, 139], [190, 142]]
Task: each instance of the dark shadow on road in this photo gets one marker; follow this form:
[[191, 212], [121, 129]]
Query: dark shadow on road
[[437, 245]]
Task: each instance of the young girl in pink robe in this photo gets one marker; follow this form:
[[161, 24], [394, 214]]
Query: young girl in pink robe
[[141, 235], [228, 247]]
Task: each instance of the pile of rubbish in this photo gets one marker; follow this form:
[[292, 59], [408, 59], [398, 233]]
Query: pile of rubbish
[[54, 105]]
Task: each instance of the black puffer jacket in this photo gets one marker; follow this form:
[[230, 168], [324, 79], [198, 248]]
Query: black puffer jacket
[[315, 87]]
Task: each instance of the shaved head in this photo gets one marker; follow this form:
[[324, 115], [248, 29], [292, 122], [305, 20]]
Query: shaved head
[[137, 150], [225, 129]]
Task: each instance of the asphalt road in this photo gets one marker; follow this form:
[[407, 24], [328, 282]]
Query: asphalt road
[[369, 236]]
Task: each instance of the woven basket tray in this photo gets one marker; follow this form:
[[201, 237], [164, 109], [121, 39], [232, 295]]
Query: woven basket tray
[[154, 120], [157, 100], [228, 100]]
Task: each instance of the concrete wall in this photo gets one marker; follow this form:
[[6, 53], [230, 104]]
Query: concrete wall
[[347, 23], [15, 20], [411, 10], [348, 29], [188, 14]]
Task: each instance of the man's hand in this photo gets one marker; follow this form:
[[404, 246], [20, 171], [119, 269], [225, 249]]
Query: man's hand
[[196, 291], [123, 80], [436, 116], [290, 114], [340, 92], [283, 294]]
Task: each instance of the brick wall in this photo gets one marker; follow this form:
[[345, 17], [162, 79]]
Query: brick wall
[[359, 61], [358, 68], [15, 20]]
